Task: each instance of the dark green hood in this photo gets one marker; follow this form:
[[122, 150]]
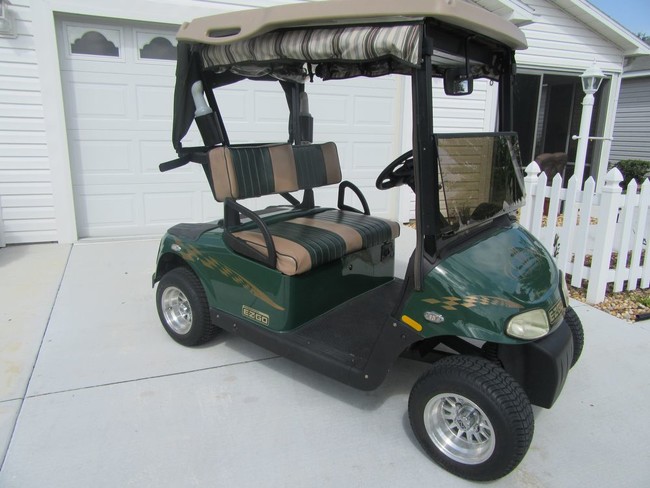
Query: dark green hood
[[503, 272]]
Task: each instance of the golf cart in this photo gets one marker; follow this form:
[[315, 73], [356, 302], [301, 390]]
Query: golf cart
[[481, 300]]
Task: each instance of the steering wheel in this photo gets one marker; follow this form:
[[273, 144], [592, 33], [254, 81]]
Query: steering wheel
[[397, 173]]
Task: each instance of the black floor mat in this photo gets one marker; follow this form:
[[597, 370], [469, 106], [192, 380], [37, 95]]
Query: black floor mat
[[349, 332]]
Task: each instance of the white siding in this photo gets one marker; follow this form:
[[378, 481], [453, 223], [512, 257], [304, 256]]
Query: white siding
[[558, 41], [632, 127], [469, 113], [25, 183]]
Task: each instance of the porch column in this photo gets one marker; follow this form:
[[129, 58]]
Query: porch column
[[591, 79], [608, 132]]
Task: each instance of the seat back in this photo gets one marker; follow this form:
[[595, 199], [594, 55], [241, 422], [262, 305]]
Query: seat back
[[241, 172]]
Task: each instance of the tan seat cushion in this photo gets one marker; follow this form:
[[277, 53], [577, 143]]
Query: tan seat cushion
[[306, 242]]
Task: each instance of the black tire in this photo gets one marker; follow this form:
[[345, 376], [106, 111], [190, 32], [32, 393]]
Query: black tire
[[471, 393], [183, 308], [575, 325]]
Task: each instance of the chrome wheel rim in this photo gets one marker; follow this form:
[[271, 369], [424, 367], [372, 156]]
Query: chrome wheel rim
[[459, 428], [177, 310]]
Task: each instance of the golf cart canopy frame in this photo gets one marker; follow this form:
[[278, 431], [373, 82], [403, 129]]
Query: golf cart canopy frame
[[450, 39]]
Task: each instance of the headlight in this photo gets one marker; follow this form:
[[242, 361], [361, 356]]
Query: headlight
[[564, 288], [528, 325]]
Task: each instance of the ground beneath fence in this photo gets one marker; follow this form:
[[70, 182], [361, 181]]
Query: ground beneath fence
[[627, 305]]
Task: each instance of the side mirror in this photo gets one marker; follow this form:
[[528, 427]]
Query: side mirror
[[458, 82]]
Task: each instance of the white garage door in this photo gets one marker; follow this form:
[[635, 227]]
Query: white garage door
[[118, 91]]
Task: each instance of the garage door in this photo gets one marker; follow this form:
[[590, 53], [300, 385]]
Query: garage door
[[118, 90]]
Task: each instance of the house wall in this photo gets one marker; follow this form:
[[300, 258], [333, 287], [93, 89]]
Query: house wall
[[558, 42], [26, 193], [632, 127]]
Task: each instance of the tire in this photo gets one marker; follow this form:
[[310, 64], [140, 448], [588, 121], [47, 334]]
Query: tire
[[183, 308], [471, 417], [575, 325]]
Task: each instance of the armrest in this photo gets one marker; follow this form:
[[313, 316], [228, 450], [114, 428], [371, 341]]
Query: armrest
[[357, 192], [271, 258], [189, 157]]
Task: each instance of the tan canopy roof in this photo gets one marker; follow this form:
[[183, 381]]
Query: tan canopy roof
[[228, 28]]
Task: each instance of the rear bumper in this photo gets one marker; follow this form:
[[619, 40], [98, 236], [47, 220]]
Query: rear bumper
[[541, 367]]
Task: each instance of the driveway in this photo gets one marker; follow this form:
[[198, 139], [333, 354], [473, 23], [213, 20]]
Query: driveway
[[94, 393]]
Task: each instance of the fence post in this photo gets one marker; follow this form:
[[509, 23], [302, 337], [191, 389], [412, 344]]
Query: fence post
[[530, 181], [609, 204]]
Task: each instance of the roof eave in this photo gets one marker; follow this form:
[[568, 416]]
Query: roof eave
[[600, 22]]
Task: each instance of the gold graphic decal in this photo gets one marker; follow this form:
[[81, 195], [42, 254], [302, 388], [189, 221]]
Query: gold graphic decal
[[191, 253], [471, 301]]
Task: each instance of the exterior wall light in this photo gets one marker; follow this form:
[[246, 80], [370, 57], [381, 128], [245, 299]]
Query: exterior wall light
[[7, 22], [591, 80]]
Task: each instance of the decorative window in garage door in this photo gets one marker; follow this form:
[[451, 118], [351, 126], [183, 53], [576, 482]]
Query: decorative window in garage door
[[155, 46], [93, 41]]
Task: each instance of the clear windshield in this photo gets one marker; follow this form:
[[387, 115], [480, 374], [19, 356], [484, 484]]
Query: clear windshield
[[480, 178]]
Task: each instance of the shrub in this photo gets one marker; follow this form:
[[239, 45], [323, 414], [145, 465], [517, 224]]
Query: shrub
[[633, 168]]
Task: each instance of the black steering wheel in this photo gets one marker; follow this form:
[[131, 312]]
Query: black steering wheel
[[397, 173]]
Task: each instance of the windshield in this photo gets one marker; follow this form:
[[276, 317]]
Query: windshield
[[480, 178]]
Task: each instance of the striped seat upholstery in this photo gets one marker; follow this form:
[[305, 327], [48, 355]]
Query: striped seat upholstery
[[304, 243], [247, 172], [254, 171], [301, 243]]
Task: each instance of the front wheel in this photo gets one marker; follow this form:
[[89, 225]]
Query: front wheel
[[471, 417], [183, 308], [575, 326]]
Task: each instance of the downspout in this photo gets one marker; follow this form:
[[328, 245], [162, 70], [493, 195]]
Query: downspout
[[3, 242]]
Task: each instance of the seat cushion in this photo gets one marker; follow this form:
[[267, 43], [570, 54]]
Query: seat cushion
[[240, 172], [304, 243], [246, 172]]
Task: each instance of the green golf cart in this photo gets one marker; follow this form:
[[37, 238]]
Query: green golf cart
[[482, 301]]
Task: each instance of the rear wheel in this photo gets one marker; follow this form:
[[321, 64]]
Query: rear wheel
[[183, 308], [471, 417]]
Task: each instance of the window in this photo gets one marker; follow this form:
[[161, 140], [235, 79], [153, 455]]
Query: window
[[94, 43], [158, 48]]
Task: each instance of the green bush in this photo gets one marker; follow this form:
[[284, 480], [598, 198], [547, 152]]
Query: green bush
[[633, 168]]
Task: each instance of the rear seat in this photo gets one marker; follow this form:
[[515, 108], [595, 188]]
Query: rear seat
[[316, 236]]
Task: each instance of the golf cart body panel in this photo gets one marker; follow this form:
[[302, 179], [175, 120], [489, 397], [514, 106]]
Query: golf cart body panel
[[317, 285], [502, 272], [251, 291]]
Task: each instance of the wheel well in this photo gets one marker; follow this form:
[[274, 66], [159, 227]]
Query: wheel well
[[167, 262]]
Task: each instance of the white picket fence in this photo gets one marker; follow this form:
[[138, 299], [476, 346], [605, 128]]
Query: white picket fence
[[609, 228]]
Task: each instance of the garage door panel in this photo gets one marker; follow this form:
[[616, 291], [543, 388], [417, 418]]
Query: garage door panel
[[152, 152], [271, 107], [373, 111], [367, 156], [96, 100], [169, 207], [210, 209], [108, 209], [94, 159], [155, 103]]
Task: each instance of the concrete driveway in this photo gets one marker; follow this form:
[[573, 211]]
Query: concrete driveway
[[94, 393]]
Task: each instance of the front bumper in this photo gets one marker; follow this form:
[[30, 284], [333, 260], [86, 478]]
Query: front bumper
[[541, 367]]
